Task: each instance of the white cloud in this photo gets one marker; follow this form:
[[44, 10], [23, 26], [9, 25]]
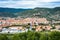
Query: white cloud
[[29, 3], [47, 0]]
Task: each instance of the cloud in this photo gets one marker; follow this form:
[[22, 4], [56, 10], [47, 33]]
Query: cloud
[[33, 0], [29, 3]]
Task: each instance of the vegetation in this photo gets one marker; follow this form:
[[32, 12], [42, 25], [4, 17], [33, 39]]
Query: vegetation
[[49, 13], [54, 35], [10, 12]]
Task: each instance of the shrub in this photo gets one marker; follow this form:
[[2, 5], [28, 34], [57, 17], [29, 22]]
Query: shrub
[[3, 37], [30, 35], [55, 35]]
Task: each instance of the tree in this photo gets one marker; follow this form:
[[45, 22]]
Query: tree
[[3, 37], [54, 35]]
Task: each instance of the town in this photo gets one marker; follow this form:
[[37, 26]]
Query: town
[[17, 25]]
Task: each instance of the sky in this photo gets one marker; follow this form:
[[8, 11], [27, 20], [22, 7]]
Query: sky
[[29, 3]]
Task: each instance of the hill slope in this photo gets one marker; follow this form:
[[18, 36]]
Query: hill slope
[[10, 12], [49, 13]]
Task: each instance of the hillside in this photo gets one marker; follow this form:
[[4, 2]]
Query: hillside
[[49, 13], [10, 12]]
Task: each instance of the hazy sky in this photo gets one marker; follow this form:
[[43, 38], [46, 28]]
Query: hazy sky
[[29, 3]]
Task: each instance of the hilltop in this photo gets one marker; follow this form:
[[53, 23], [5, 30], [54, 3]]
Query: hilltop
[[49, 13], [10, 12]]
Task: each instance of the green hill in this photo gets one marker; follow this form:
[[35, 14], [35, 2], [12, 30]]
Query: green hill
[[49, 13], [10, 12]]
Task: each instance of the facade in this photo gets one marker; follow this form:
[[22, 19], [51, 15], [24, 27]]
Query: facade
[[38, 23]]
